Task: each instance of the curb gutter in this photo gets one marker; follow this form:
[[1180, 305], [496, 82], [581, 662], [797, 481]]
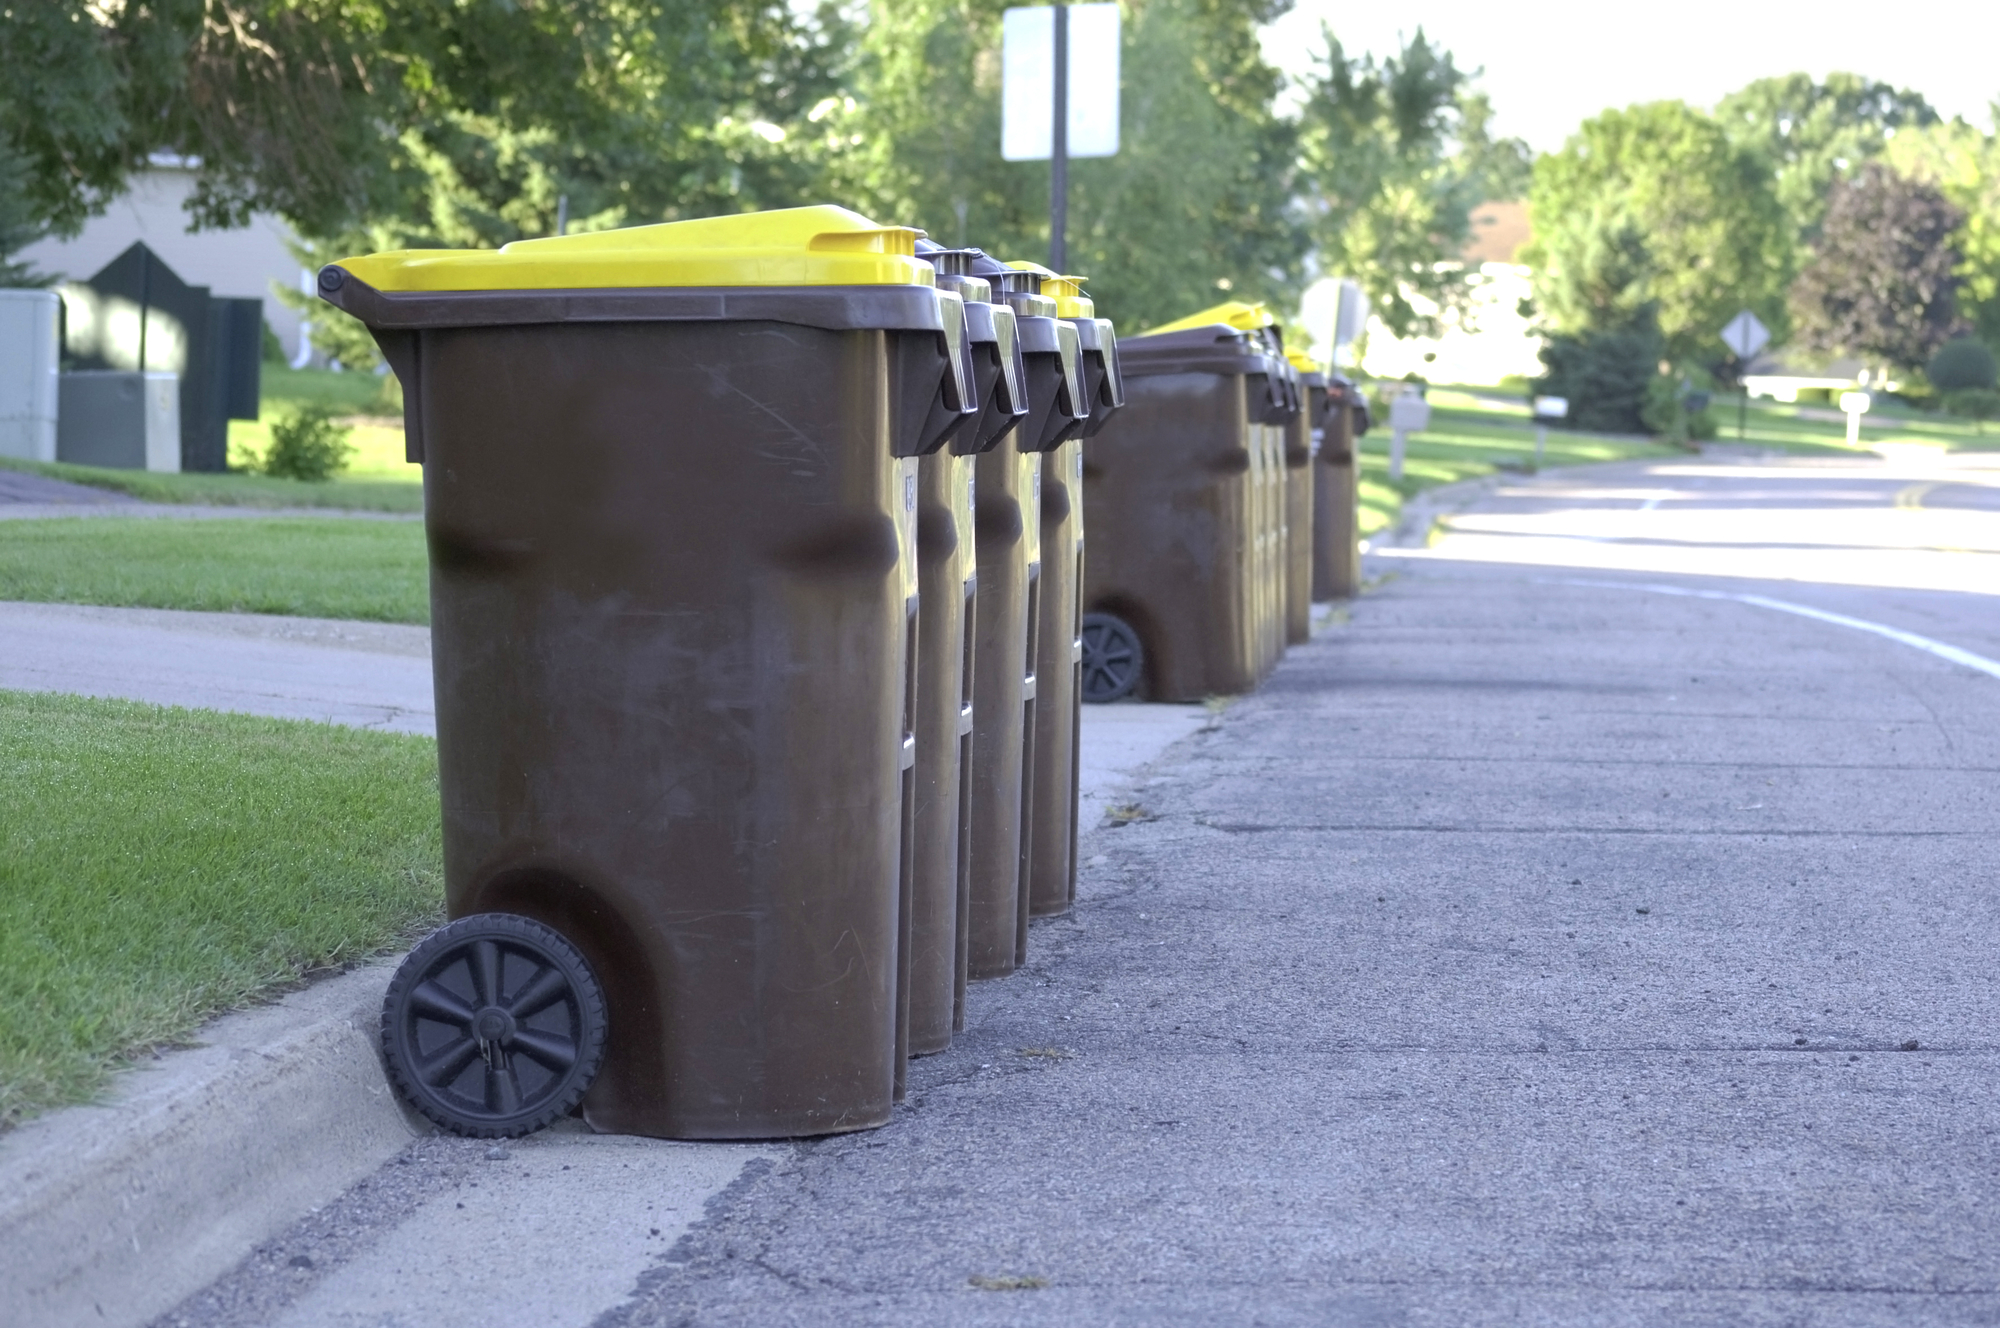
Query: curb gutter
[[115, 1213]]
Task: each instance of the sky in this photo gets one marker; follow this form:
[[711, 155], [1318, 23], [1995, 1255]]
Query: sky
[[1551, 64]]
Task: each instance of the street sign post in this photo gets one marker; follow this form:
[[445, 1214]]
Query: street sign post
[[1059, 96], [1745, 335]]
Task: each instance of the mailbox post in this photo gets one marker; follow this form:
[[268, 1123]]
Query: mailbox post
[[1855, 405], [1546, 409], [1408, 413]]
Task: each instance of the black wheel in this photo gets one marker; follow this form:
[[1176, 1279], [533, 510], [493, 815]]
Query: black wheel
[[1113, 658], [494, 1026]]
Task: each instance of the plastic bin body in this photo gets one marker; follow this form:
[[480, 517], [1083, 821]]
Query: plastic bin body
[[1300, 453], [673, 617], [1013, 576], [30, 358], [1051, 883], [1166, 485], [1336, 569], [1006, 518], [124, 420], [944, 727]]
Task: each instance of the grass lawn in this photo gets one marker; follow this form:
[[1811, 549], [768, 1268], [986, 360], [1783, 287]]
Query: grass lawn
[[1473, 435], [163, 865], [297, 565]]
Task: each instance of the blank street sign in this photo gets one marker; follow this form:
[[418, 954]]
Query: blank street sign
[[1028, 82], [1746, 335]]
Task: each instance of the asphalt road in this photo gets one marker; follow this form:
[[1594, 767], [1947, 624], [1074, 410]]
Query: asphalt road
[[1595, 928]]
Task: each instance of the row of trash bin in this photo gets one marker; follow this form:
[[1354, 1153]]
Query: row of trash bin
[[761, 622]]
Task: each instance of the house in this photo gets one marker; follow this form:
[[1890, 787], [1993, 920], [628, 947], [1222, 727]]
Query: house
[[248, 262], [1781, 376]]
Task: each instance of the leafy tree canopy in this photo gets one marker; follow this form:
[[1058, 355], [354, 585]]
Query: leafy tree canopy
[[1197, 199], [1882, 283], [1814, 133], [333, 112], [1715, 237], [1963, 164], [1394, 156]]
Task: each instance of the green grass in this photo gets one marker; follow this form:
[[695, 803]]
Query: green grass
[[164, 865], [374, 405], [294, 565], [1473, 435], [360, 492]]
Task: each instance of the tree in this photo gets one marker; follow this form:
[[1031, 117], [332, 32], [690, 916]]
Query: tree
[[1394, 157], [1196, 201], [1715, 236], [19, 227], [335, 113], [1963, 164], [1813, 134], [1882, 283]]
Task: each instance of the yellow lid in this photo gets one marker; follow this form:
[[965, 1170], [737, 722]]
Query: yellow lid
[[1301, 361], [808, 246], [1243, 317], [1067, 292]]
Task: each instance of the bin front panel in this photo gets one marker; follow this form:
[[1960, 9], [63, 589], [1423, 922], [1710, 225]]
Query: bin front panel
[[1058, 671], [944, 737], [1007, 535], [1336, 570], [669, 623], [1168, 490], [1299, 522]]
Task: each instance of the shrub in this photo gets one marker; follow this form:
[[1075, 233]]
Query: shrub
[[1978, 404], [1606, 376], [307, 445], [1676, 409], [1960, 364], [1814, 396]]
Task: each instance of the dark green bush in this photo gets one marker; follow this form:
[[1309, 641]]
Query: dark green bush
[[1605, 376], [1960, 364], [307, 445], [1979, 404]]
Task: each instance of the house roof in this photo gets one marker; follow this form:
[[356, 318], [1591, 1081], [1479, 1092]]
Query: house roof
[[1499, 229]]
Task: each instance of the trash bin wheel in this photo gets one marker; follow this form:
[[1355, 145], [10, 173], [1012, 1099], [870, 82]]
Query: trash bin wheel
[[1113, 657], [494, 1026]]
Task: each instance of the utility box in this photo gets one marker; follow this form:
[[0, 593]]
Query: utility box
[[123, 420], [30, 342]]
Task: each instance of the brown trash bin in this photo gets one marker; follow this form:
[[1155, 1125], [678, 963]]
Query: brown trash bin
[[670, 488], [1006, 688], [1336, 569], [1301, 450], [948, 594], [1177, 492], [1051, 868]]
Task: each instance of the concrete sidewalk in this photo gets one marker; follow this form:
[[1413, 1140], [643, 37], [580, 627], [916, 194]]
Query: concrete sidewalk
[[234, 1171], [1593, 930], [1525, 952]]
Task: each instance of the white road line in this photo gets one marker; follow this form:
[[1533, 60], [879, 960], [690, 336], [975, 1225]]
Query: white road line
[[1952, 653]]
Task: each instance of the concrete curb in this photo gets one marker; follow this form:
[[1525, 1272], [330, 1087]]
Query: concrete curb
[[115, 1213]]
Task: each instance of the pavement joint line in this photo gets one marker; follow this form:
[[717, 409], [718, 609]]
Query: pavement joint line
[[1943, 650]]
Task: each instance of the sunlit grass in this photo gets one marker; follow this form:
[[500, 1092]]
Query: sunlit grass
[[164, 865], [307, 566]]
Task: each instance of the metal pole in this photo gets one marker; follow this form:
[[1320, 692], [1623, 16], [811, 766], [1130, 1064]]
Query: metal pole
[[1742, 398], [562, 214], [145, 301], [1059, 150]]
